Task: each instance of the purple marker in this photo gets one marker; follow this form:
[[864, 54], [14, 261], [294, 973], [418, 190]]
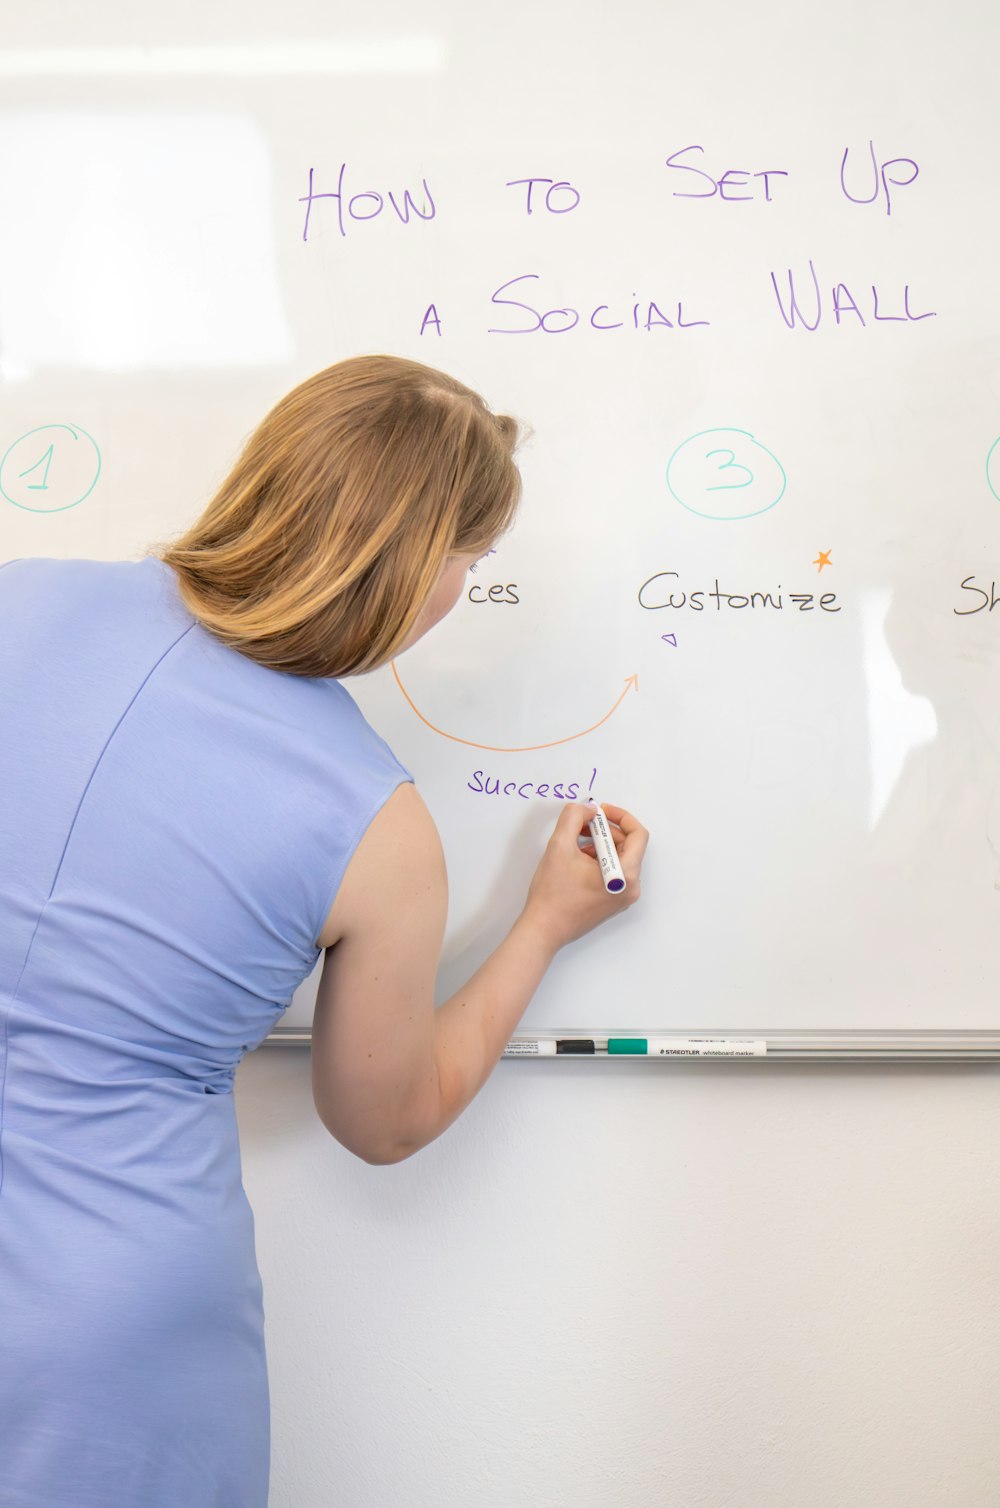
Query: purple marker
[[604, 848]]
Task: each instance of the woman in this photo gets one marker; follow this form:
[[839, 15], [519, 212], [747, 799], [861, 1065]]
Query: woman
[[192, 808]]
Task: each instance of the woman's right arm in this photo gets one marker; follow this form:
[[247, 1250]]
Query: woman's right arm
[[390, 1072]]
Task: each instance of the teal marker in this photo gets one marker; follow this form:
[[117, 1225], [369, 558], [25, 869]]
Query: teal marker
[[685, 1047]]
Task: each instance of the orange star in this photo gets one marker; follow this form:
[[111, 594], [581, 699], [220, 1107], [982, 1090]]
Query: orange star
[[822, 559]]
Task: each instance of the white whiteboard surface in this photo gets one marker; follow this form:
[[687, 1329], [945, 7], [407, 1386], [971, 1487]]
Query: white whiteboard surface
[[820, 776]]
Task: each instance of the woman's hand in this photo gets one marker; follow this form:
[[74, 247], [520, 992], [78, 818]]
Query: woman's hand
[[567, 898], [390, 1071]]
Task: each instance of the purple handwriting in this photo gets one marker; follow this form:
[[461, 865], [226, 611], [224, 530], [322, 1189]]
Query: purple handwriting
[[558, 196], [555, 195], [431, 320], [804, 304], [645, 315], [367, 204], [659, 592], [483, 784], [883, 181], [809, 312], [741, 186], [727, 187]]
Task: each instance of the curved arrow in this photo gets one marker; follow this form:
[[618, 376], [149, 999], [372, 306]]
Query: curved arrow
[[631, 684]]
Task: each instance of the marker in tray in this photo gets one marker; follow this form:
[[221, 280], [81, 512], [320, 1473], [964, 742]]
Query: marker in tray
[[550, 1047], [636, 1047], [686, 1047]]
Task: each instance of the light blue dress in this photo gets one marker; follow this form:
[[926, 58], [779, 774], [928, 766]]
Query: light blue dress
[[175, 820]]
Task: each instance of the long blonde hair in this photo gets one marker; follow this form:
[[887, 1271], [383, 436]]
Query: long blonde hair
[[321, 546]]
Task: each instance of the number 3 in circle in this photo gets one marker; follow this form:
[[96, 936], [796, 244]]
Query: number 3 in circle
[[725, 474]]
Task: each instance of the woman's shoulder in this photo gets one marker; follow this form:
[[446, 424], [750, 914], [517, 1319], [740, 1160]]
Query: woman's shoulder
[[58, 587]]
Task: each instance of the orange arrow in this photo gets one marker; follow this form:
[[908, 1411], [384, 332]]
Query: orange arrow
[[631, 684]]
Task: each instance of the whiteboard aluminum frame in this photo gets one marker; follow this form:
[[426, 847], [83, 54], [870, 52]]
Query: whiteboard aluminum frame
[[782, 1045]]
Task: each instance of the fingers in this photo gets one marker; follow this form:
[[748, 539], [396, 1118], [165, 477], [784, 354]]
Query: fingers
[[571, 824], [630, 837], [567, 896], [622, 818], [627, 832], [634, 837]]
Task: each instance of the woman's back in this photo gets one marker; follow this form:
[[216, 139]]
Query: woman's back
[[174, 823]]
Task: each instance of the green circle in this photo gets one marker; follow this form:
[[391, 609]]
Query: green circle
[[731, 517], [76, 432], [989, 480]]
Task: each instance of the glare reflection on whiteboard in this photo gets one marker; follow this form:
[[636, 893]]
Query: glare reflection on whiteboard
[[137, 242], [898, 721], [314, 55]]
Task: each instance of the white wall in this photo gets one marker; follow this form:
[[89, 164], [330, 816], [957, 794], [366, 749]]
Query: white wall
[[621, 1285]]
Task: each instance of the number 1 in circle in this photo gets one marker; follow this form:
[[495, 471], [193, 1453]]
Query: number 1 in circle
[[41, 486]]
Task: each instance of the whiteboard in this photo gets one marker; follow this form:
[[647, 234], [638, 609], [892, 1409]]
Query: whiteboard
[[735, 268]]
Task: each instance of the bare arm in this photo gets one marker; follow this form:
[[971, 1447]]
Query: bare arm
[[390, 1072]]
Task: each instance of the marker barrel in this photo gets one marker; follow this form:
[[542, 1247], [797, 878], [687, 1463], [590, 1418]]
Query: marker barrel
[[687, 1047], [537, 1047], [607, 854]]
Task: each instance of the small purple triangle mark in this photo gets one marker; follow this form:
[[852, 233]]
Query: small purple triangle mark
[[669, 639]]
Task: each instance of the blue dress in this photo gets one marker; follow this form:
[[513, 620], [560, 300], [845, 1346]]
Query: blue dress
[[175, 820]]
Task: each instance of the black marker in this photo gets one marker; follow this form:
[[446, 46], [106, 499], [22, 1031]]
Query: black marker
[[548, 1047]]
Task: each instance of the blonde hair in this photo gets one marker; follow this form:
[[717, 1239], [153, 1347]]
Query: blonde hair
[[323, 543]]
